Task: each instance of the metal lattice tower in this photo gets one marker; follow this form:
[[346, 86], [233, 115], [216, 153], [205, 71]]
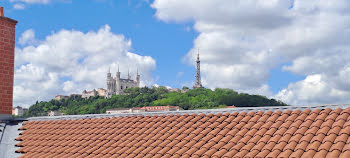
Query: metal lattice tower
[[198, 83]]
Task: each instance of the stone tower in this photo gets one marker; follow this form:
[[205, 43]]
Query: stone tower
[[128, 75], [198, 83], [110, 82], [118, 74], [7, 60], [117, 82]]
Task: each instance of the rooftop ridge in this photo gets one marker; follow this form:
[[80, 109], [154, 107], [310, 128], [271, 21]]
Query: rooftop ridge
[[203, 111]]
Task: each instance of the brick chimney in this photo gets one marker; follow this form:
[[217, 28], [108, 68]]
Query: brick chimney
[[1, 11], [7, 58]]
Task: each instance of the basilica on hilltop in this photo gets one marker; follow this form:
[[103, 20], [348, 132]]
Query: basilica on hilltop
[[117, 85]]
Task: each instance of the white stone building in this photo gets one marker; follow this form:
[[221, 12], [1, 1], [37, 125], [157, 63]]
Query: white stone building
[[87, 94], [101, 92], [59, 97], [117, 85]]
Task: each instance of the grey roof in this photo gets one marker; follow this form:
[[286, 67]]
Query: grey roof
[[7, 141], [2, 128]]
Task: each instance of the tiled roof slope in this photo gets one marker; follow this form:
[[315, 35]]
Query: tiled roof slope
[[318, 133]]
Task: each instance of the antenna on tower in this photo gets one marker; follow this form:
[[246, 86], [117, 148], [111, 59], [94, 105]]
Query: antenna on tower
[[118, 67], [197, 53], [128, 74]]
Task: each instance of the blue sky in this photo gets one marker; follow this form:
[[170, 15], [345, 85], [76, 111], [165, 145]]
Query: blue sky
[[294, 54], [166, 43]]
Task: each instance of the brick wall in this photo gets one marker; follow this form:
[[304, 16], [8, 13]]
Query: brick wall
[[7, 55]]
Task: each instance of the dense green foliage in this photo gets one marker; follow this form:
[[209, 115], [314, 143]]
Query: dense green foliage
[[200, 98]]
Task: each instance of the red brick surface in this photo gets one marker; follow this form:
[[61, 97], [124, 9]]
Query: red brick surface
[[7, 55]]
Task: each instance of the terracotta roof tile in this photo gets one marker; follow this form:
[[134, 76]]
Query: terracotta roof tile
[[228, 146], [307, 133], [345, 154]]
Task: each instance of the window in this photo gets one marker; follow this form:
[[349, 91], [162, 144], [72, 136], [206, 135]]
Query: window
[[121, 87]]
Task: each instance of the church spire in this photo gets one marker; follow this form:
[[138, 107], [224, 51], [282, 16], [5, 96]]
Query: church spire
[[198, 83], [118, 73], [198, 56], [128, 74], [137, 77]]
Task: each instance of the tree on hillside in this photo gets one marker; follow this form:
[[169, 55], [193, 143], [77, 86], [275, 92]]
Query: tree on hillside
[[145, 96]]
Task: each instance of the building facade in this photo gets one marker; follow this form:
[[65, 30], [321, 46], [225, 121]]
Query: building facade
[[99, 92], [18, 111], [117, 85], [60, 97], [7, 60], [87, 94]]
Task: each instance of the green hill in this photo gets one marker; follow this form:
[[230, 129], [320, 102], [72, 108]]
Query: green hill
[[138, 97]]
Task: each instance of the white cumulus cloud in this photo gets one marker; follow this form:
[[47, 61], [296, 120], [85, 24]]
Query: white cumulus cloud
[[33, 1], [70, 61], [18, 6], [22, 4], [27, 37], [241, 41]]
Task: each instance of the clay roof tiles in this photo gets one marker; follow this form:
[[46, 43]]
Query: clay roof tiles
[[297, 133]]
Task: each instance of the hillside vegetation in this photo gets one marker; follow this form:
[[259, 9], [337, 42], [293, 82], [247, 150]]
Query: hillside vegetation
[[138, 97]]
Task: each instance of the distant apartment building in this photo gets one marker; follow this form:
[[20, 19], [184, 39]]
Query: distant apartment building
[[18, 111], [143, 109]]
